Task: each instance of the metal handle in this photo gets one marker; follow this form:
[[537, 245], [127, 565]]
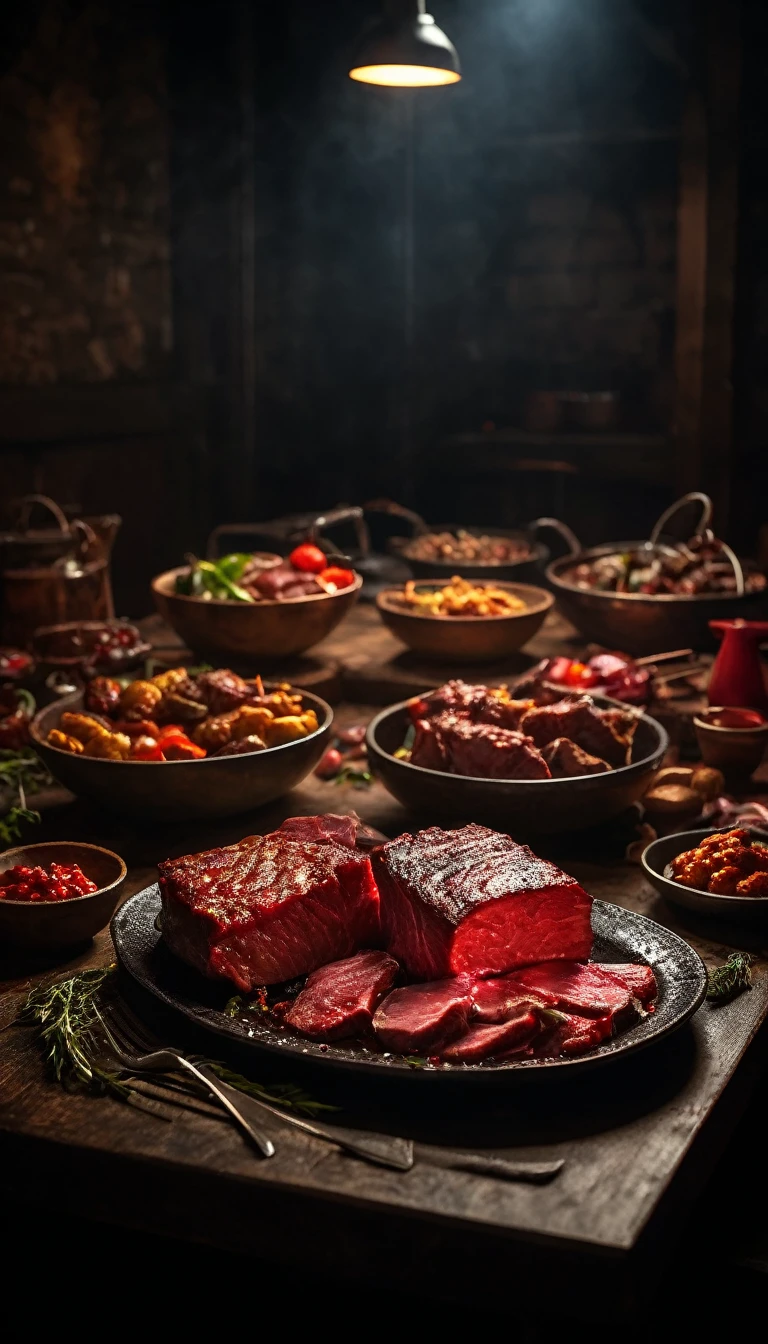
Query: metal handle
[[693, 496], [737, 569], [394, 510], [28, 503], [571, 540], [343, 514]]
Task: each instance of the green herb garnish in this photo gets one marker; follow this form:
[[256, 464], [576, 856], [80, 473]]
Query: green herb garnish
[[232, 1006], [731, 979], [217, 578]]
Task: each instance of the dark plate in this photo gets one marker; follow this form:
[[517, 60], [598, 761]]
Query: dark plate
[[620, 935]]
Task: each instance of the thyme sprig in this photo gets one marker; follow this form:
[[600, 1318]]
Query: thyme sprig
[[731, 979], [71, 1030]]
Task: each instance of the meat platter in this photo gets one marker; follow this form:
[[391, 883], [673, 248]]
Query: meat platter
[[445, 953]]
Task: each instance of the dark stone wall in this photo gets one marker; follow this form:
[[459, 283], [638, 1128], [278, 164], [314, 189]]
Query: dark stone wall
[[84, 255]]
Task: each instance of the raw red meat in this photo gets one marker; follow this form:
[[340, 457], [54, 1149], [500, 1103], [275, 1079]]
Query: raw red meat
[[339, 999], [577, 987], [499, 999], [639, 979], [575, 1035], [475, 901], [484, 1042], [268, 909], [329, 826], [422, 1018]]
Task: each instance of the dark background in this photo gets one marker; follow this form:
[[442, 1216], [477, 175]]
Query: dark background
[[234, 284]]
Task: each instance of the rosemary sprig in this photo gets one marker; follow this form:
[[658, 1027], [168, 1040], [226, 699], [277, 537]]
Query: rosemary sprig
[[731, 979], [67, 1015]]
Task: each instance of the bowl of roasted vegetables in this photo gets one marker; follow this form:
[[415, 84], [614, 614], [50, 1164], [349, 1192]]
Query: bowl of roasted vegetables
[[249, 606], [467, 621], [182, 744]]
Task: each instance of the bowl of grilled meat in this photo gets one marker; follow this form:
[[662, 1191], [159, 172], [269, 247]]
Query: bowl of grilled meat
[[251, 606], [182, 745], [653, 596], [538, 760], [713, 872], [464, 620]]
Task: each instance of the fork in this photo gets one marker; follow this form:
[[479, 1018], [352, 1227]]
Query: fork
[[125, 1034]]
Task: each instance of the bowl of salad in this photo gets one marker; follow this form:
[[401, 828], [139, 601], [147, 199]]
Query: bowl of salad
[[255, 605]]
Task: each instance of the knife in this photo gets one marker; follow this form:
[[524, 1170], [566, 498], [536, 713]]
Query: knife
[[396, 1153]]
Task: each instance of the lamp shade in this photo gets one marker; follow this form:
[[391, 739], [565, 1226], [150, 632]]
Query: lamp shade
[[406, 49]]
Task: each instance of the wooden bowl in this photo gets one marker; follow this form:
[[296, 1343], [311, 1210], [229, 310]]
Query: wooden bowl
[[660, 853], [522, 807], [248, 632], [216, 786], [466, 639], [44, 924], [735, 751]]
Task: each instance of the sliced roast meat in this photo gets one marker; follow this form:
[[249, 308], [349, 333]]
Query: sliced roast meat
[[566, 760], [574, 1035], [473, 900], [339, 999], [268, 909], [422, 1018], [577, 987], [483, 1042], [500, 998], [639, 979]]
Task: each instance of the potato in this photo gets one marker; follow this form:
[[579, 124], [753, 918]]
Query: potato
[[675, 774], [708, 782], [672, 800]]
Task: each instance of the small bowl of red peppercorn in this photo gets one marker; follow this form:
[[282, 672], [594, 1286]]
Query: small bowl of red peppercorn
[[57, 893]]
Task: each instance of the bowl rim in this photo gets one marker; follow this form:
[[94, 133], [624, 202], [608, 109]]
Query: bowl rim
[[39, 741], [616, 548], [171, 574], [546, 601], [700, 834], [71, 900], [754, 731], [528, 783]]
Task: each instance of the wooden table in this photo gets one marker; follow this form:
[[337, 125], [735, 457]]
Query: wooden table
[[638, 1138]]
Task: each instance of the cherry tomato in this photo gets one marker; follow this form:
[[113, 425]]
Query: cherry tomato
[[329, 764], [308, 558], [335, 578], [146, 749]]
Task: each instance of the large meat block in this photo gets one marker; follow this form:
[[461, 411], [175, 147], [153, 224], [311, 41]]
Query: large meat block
[[422, 1018], [339, 999], [475, 901], [268, 909]]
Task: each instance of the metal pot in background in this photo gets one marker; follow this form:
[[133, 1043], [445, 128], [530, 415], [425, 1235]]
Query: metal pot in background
[[53, 574]]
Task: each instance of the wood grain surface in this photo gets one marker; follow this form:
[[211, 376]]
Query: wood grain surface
[[638, 1141]]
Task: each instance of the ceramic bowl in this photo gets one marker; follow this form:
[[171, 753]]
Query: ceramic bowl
[[660, 853], [735, 751], [216, 786], [248, 632], [522, 807], [466, 639], [43, 924]]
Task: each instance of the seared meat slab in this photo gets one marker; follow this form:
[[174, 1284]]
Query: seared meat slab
[[268, 908], [339, 999], [484, 751], [566, 760], [474, 900], [606, 734]]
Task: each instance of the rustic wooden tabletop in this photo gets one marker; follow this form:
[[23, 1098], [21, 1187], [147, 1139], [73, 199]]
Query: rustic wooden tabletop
[[638, 1137]]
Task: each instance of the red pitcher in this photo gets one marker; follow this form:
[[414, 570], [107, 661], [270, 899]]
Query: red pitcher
[[737, 676]]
